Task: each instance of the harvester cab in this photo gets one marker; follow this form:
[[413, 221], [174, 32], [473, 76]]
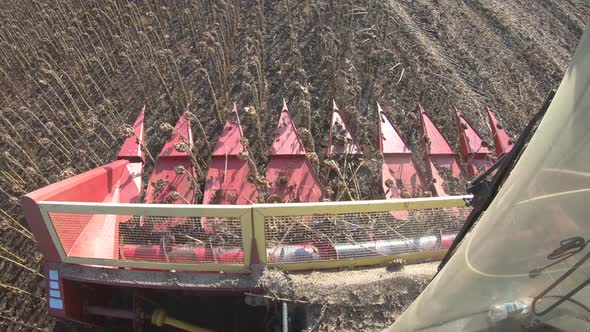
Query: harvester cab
[[520, 262]]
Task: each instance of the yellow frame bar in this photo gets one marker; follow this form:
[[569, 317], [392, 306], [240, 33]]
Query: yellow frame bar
[[172, 210], [53, 233], [296, 209], [158, 266], [410, 258], [259, 235], [247, 236]]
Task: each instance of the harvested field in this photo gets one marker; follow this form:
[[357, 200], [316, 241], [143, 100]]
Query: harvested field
[[72, 72]]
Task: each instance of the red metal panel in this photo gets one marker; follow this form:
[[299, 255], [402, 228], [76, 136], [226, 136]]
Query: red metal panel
[[230, 177], [474, 150], [286, 139], [173, 179], [230, 141], [91, 235], [131, 148], [290, 175], [435, 141], [400, 175], [401, 169], [98, 239], [95, 236], [182, 134], [167, 186], [438, 153], [96, 185], [228, 182], [390, 140], [130, 184], [471, 142], [34, 219], [292, 179], [502, 141], [345, 144], [92, 186], [100, 236], [446, 240]]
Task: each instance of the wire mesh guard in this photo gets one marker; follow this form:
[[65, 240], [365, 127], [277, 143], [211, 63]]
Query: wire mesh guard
[[320, 237], [159, 239]]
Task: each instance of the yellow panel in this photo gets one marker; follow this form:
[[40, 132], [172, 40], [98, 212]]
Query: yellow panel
[[294, 209], [258, 222], [247, 236]]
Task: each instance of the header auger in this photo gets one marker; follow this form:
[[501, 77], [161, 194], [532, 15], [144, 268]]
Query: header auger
[[96, 224]]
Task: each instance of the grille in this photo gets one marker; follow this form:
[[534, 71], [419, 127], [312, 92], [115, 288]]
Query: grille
[[319, 237], [221, 238], [160, 239]]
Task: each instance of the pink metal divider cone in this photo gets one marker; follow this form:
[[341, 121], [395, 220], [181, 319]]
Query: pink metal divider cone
[[173, 179], [132, 150], [502, 141], [474, 150], [290, 175], [400, 175], [438, 153], [168, 183], [340, 141], [229, 179]]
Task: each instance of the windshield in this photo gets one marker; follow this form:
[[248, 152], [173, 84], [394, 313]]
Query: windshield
[[531, 243]]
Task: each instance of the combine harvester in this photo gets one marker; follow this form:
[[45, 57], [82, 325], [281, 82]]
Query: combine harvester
[[108, 255]]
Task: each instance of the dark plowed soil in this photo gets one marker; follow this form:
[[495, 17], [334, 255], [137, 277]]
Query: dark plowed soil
[[72, 72]]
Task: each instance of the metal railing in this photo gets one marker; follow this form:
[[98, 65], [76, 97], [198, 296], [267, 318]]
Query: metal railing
[[106, 234], [222, 237], [337, 234]]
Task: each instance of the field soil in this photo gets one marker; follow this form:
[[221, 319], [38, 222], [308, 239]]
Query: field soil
[[72, 72], [361, 299]]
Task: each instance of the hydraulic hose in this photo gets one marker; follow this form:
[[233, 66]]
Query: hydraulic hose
[[161, 318]]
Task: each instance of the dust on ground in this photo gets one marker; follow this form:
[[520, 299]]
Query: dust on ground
[[367, 299]]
